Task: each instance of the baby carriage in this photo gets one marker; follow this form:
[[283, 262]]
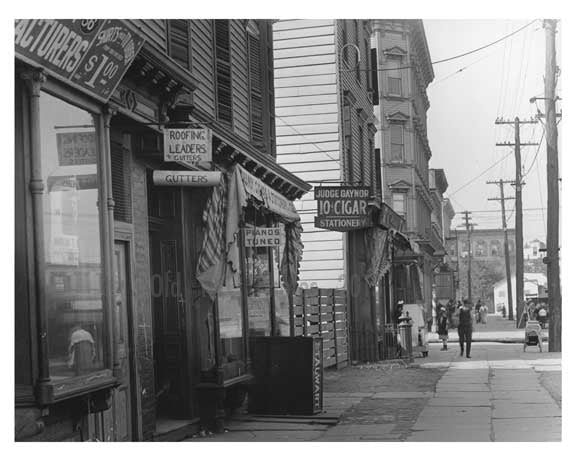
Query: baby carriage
[[533, 334]]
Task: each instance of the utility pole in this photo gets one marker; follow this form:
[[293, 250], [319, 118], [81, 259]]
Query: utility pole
[[502, 199], [552, 237], [468, 226], [519, 231]]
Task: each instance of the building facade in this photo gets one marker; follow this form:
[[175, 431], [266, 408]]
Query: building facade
[[325, 127], [401, 103], [135, 295], [487, 260]]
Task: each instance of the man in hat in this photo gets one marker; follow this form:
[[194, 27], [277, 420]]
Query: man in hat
[[465, 327]]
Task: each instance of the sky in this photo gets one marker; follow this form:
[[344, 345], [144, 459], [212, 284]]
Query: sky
[[495, 82]]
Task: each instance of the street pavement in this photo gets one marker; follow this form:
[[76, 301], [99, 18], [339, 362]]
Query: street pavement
[[500, 394]]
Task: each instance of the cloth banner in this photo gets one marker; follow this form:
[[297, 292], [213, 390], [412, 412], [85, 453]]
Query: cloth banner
[[211, 267], [379, 262], [222, 218]]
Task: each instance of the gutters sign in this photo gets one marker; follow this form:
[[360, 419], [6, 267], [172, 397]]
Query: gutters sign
[[342, 208], [186, 178]]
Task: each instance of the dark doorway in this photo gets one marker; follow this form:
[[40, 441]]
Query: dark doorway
[[168, 303]]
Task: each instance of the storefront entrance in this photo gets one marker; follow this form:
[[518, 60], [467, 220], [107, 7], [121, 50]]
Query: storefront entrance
[[168, 303]]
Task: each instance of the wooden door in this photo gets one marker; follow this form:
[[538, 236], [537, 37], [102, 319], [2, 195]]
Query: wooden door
[[122, 395], [170, 358]]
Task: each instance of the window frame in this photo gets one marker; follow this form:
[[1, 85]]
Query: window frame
[[48, 391], [402, 195], [400, 126]]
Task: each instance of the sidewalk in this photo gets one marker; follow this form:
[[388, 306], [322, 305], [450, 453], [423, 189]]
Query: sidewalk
[[501, 394], [497, 329]]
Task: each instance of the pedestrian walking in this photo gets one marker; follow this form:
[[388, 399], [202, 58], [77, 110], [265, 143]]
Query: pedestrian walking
[[465, 327], [483, 314], [451, 307], [477, 311], [442, 324]]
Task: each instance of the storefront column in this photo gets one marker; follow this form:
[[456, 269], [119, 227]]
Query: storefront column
[[35, 79], [107, 226]]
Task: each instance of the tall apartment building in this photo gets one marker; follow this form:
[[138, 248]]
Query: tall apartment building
[[325, 128], [404, 73]]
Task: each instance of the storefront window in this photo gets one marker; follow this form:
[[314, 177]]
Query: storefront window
[[232, 353], [75, 318]]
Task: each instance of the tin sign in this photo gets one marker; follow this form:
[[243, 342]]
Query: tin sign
[[262, 237], [186, 178], [342, 208], [187, 145], [91, 54]]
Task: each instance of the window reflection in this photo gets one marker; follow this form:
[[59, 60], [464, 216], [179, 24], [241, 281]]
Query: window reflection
[[72, 239]]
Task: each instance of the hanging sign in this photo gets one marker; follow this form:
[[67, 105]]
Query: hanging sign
[[342, 208], [91, 54], [76, 148], [186, 178], [262, 237], [187, 145]]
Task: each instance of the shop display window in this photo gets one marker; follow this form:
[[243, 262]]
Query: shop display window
[[74, 309]]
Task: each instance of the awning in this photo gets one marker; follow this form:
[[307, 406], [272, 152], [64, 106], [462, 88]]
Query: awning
[[222, 218]]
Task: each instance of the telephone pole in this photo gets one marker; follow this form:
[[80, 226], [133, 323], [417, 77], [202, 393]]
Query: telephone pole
[[552, 237], [469, 227], [519, 233], [502, 199]]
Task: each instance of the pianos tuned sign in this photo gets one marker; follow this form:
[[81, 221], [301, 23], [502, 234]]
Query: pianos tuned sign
[[342, 208]]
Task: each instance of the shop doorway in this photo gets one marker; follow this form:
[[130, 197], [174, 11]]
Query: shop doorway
[[122, 395], [168, 303]]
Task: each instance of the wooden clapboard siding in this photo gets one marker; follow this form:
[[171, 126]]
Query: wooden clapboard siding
[[240, 87], [153, 30], [308, 132], [203, 65]]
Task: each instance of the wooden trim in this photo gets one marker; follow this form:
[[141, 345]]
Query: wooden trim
[[35, 81], [244, 291]]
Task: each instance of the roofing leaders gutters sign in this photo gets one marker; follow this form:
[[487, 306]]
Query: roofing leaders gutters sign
[[342, 208], [91, 54], [187, 145]]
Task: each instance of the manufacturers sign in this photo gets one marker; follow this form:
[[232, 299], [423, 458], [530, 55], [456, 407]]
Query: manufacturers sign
[[186, 178], [90, 54], [187, 145], [342, 208], [262, 237]]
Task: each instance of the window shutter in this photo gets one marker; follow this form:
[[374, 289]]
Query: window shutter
[[121, 185], [255, 77], [179, 41], [374, 73], [223, 70]]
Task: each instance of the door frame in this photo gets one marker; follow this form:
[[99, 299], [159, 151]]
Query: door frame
[[123, 233]]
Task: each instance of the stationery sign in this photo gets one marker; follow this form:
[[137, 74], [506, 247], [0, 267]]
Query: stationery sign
[[262, 237], [91, 54], [342, 208], [186, 178], [187, 145]]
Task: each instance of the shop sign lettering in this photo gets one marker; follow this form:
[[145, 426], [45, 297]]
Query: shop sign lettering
[[262, 237], [76, 148], [342, 208], [317, 375], [92, 54], [186, 178], [187, 145]]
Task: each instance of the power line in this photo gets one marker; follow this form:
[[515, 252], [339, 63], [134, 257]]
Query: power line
[[453, 57], [535, 155], [481, 174]]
